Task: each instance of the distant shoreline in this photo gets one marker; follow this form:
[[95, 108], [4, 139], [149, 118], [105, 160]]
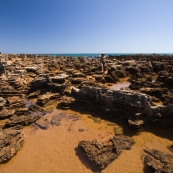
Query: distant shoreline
[[91, 54]]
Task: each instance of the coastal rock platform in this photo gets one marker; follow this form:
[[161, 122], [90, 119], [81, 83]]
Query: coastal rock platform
[[33, 86]]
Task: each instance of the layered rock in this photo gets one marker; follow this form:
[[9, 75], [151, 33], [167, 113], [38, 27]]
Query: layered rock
[[156, 161], [101, 154], [11, 141], [121, 102]]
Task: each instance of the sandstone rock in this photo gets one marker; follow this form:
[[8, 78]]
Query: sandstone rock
[[21, 120], [31, 69], [136, 123], [16, 102], [43, 123], [101, 154], [5, 113], [77, 80], [34, 94], [2, 102], [78, 75], [129, 63], [59, 78], [40, 81], [58, 88], [46, 99], [156, 161], [66, 101], [10, 142]]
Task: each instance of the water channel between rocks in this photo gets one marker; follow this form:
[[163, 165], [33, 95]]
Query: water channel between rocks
[[55, 149]]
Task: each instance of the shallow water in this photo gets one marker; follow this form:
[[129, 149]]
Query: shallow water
[[55, 149], [120, 85]]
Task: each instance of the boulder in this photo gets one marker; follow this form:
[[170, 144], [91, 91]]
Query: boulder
[[101, 154]]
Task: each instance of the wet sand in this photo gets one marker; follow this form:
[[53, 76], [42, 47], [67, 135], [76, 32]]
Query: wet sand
[[55, 150]]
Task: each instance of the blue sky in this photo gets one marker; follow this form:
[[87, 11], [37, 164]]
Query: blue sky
[[86, 26]]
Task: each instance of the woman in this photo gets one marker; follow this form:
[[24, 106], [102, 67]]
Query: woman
[[102, 61]]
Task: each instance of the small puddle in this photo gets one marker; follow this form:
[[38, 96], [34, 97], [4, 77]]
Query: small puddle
[[121, 85]]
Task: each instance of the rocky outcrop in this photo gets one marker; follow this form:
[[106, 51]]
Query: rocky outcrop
[[11, 141], [156, 161], [47, 99], [101, 154], [121, 102]]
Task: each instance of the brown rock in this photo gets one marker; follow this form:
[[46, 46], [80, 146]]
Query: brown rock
[[103, 153], [10, 142]]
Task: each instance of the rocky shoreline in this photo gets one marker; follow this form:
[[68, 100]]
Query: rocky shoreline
[[31, 83]]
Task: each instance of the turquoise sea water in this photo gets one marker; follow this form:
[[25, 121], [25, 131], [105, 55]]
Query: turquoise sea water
[[98, 54]]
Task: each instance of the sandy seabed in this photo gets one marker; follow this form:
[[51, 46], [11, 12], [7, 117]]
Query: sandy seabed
[[55, 150]]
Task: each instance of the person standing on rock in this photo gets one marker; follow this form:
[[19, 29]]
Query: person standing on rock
[[102, 61]]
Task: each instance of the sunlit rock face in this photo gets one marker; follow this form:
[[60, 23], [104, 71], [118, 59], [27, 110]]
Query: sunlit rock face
[[11, 141]]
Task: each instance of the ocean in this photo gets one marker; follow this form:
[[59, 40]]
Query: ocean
[[98, 54]]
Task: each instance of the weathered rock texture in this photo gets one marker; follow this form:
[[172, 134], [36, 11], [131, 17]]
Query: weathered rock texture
[[103, 153], [158, 162], [116, 103], [10, 142]]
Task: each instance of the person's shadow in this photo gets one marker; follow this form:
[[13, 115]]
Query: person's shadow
[[84, 160]]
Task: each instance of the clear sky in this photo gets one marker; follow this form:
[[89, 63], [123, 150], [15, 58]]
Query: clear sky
[[86, 26]]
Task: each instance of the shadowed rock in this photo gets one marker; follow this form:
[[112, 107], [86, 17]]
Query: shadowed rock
[[170, 148]]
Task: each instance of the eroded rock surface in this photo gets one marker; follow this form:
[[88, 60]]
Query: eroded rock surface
[[11, 141], [103, 153], [156, 161]]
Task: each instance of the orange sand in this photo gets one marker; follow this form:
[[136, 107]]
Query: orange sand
[[55, 150]]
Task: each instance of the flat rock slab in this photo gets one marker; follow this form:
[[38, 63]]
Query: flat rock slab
[[5, 113], [44, 99], [22, 120], [103, 153]]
